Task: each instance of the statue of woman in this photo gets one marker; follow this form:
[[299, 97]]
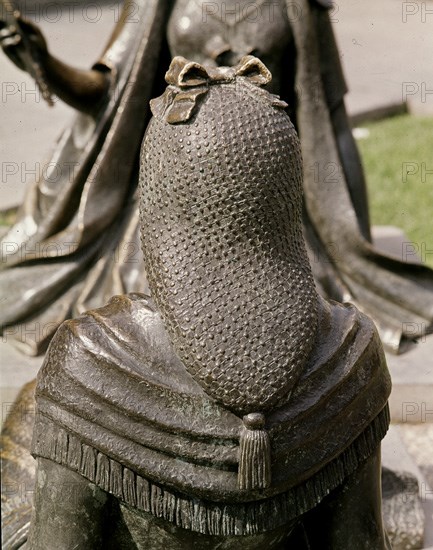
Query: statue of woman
[[236, 406], [82, 229]]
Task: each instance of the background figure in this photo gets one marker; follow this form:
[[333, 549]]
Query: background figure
[[86, 225]]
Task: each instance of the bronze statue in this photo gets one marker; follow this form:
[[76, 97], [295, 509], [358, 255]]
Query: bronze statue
[[85, 226], [236, 408]]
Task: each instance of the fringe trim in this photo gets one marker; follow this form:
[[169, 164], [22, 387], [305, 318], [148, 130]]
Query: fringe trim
[[201, 516]]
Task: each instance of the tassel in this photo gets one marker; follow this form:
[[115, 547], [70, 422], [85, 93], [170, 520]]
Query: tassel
[[255, 454]]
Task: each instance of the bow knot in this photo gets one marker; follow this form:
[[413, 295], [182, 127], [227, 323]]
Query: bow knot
[[188, 81], [185, 74]]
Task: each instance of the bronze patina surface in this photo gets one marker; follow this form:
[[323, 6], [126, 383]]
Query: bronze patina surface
[[250, 417]]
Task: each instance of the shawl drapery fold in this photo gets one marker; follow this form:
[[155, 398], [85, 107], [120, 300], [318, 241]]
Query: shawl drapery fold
[[115, 404]]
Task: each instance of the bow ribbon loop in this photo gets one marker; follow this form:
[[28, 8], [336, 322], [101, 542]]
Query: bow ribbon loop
[[183, 73], [254, 70]]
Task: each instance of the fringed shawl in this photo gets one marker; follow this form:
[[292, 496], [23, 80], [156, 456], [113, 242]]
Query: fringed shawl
[[115, 404]]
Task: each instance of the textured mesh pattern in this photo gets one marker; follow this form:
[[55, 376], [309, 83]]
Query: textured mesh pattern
[[223, 246]]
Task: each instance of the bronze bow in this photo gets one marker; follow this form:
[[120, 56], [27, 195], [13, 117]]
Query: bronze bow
[[188, 81]]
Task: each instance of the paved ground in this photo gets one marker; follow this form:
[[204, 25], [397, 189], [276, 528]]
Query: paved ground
[[386, 48]]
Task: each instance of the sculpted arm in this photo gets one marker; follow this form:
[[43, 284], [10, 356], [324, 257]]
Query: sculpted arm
[[68, 510], [82, 89]]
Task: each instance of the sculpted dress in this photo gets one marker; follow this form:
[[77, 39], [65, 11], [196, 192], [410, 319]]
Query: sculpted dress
[[75, 243]]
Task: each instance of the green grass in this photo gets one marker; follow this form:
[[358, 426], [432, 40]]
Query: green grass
[[397, 157], [7, 217]]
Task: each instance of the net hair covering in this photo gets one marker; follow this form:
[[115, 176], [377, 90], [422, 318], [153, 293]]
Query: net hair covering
[[221, 181], [220, 206]]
